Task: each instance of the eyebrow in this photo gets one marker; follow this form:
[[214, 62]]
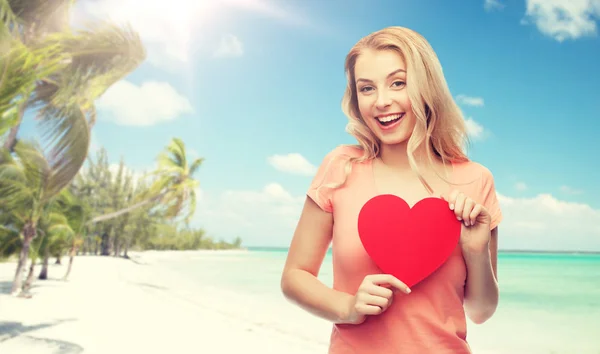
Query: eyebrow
[[390, 74]]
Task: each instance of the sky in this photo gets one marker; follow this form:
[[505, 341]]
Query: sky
[[254, 87]]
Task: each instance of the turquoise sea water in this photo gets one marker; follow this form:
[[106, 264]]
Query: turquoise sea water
[[550, 303]]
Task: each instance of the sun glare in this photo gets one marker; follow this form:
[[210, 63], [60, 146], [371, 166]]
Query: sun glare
[[168, 24], [170, 29]]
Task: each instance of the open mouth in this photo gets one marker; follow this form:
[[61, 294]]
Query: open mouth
[[389, 119]]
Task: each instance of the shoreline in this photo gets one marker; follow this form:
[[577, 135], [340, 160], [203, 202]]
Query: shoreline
[[198, 301], [500, 251], [146, 253]]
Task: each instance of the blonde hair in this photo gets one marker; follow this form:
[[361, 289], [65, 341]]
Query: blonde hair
[[439, 119]]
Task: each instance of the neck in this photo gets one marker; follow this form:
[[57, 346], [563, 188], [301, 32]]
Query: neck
[[396, 156]]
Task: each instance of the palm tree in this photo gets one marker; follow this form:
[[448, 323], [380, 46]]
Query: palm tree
[[60, 72], [28, 186], [55, 230], [76, 213], [173, 188], [60, 227]]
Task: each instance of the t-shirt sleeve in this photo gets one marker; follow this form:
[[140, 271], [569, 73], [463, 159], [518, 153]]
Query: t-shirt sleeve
[[490, 198], [328, 175]]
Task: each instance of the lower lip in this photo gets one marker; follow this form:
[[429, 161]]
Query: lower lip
[[391, 126]]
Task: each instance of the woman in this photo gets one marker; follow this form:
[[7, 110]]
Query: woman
[[410, 134]]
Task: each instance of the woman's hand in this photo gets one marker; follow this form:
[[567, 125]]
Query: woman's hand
[[476, 221], [374, 296]]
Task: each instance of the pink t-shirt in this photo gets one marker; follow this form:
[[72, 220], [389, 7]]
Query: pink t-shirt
[[431, 318]]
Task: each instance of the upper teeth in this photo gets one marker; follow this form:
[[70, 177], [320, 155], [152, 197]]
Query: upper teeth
[[389, 118]]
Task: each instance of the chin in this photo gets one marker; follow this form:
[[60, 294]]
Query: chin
[[398, 138]]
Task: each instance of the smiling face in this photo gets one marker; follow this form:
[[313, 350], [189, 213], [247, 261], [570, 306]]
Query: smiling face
[[382, 98]]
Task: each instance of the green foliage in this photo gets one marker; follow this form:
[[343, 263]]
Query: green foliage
[[107, 190], [49, 205], [169, 238], [59, 72], [98, 189]]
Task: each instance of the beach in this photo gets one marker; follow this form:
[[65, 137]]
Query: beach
[[228, 302], [113, 305]]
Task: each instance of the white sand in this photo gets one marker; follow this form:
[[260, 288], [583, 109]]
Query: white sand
[[112, 305]]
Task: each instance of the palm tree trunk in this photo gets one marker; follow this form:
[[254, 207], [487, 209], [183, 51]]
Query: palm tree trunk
[[72, 253], [44, 272], [16, 287], [126, 210], [29, 280], [117, 246], [105, 244], [28, 235]]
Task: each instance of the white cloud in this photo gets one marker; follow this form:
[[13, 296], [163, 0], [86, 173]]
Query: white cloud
[[292, 163], [268, 217], [547, 223], [470, 101], [230, 46], [564, 19], [474, 129], [570, 190], [265, 217], [521, 186], [151, 103], [490, 5]]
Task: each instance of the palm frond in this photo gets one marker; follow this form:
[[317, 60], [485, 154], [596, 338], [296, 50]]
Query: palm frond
[[76, 216], [8, 18], [35, 166], [195, 166], [10, 241], [20, 68], [92, 60], [67, 135], [96, 58], [55, 219], [6, 159], [177, 151], [23, 178], [42, 15], [16, 195]]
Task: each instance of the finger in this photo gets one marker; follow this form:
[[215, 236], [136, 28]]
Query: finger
[[467, 209], [452, 199], [373, 300], [459, 206], [365, 309], [475, 213], [382, 290], [379, 279]]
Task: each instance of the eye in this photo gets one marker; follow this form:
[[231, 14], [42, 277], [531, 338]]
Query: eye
[[365, 88], [399, 83]]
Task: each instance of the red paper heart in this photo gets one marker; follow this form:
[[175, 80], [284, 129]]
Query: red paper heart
[[409, 244]]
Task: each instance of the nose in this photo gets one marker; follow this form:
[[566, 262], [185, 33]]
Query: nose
[[383, 99]]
